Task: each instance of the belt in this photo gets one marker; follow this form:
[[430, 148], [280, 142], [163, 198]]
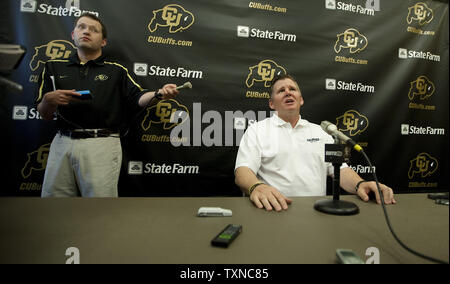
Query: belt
[[87, 133]]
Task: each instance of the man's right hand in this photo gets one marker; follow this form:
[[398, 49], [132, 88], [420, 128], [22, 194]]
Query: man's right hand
[[268, 197], [60, 97], [52, 100]]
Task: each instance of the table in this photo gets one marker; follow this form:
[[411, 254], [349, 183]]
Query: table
[[167, 231]]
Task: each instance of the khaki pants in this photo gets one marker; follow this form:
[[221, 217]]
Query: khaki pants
[[83, 167]]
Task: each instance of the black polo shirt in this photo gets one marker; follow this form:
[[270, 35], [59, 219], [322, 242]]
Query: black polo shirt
[[114, 92]]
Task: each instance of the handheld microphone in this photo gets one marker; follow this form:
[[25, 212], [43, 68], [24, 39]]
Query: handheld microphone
[[186, 85], [331, 129]]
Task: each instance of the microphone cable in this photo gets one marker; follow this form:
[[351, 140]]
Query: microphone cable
[[389, 222]]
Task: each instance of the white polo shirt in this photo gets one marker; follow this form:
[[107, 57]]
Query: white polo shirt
[[290, 159]]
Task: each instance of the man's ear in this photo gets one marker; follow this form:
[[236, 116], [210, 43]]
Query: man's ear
[[104, 42], [271, 104]]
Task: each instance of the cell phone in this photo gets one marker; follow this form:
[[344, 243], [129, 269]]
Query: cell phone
[[347, 256], [439, 195], [442, 201], [85, 95], [227, 236]]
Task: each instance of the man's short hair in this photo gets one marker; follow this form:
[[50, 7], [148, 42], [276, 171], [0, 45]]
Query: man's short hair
[[95, 18], [281, 77]]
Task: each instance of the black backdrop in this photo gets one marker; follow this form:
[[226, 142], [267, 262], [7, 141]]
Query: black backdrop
[[378, 69]]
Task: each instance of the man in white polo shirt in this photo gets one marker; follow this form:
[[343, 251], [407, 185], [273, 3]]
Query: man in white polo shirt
[[284, 156]]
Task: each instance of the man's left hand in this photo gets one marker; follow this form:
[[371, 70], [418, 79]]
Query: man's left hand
[[366, 187], [169, 91]]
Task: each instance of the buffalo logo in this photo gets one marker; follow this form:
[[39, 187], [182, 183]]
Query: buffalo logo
[[101, 77], [423, 164], [265, 71], [36, 161], [420, 12], [352, 39], [173, 16], [422, 87], [168, 112], [56, 49], [352, 122]]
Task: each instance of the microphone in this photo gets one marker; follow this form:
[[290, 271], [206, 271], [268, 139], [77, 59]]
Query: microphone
[[186, 85], [331, 129], [10, 85]]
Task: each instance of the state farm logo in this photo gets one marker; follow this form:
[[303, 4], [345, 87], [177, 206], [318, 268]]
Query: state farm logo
[[143, 69], [135, 168], [247, 32], [369, 9], [243, 31], [25, 113], [419, 13], [140, 69], [407, 129], [422, 87], [333, 84], [423, 165], [352, 40], [352, 122], [55, 49], [169, 113], [264, 72], [173, 16], [20, 112], [139, 168], [71, 8], [28, 6], [404, 53]]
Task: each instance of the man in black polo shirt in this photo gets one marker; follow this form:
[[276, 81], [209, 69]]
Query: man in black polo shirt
[[85, 155]]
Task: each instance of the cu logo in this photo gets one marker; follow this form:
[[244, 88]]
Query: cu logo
[[265, 71], [36, 161], [173, 16], [424, 164], [350, 39], [352, 122], [56, 49], [421, 13], [422, 87], [168, 112]]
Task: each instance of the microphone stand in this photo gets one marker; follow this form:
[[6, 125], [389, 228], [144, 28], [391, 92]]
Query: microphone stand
[[336, 154], [10, 85]]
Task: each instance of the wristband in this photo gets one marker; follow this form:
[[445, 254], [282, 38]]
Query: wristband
[[158, 95], [357, 185], [250, 190]]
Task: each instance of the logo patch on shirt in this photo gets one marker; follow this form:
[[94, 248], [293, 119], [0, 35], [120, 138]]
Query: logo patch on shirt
[[313, 140], [101, 77]]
